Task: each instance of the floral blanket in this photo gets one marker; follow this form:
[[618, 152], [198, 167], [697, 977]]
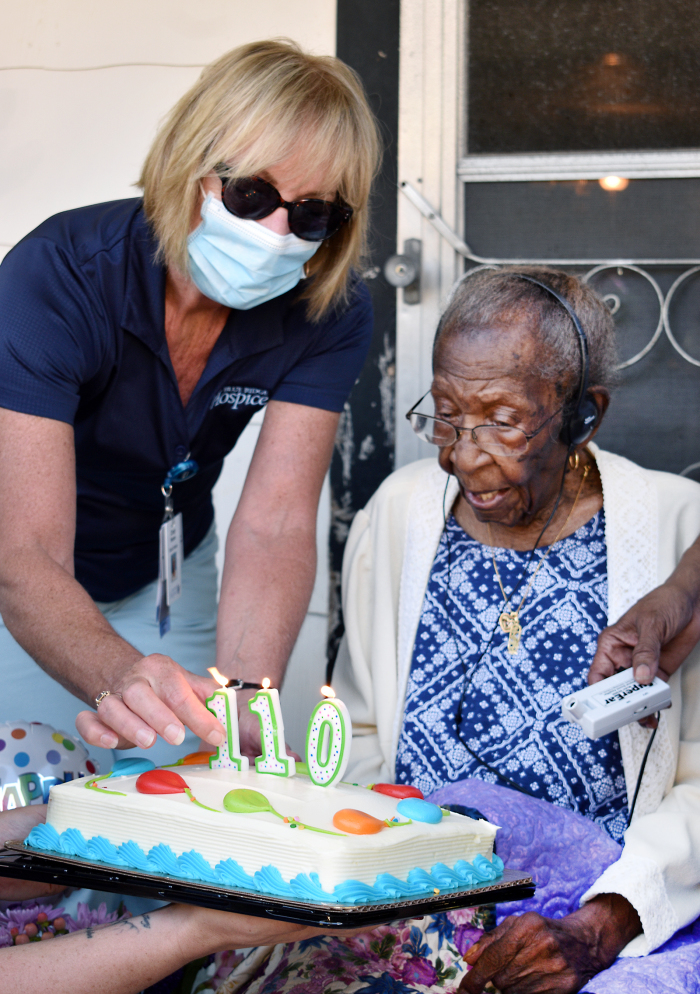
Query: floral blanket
[[418, 955], [564, 852]]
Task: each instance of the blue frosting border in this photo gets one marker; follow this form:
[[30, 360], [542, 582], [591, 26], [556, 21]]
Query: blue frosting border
[[191, 865]]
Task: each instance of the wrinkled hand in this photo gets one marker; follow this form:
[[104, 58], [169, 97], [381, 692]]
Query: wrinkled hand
[[17, 824], [530, 954], [654, 636], [159, 697]]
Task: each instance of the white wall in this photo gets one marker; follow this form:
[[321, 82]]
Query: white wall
[[72, 133]]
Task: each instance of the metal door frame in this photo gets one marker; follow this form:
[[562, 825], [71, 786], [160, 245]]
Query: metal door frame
[[433, 166]]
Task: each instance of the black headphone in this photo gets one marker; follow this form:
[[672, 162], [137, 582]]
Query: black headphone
[[582, 419]]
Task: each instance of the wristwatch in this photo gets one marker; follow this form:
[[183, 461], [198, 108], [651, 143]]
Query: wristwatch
[[243, 685]]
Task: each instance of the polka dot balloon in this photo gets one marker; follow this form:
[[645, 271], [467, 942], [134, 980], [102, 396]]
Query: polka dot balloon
[[33, 756]]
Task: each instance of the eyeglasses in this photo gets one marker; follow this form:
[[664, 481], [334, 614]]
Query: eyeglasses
[[254, 198], [498, 440]]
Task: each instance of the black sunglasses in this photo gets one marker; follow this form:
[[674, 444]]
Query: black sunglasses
[[254, 198]]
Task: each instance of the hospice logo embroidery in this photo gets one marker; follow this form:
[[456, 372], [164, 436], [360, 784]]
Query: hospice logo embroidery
[[238, 397]]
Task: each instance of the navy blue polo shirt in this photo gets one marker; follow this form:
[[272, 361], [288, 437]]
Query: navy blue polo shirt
[[82, 340]]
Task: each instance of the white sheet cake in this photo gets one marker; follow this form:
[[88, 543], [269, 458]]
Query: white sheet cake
[[296, 852]]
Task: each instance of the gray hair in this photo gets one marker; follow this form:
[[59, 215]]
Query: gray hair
[[490, 297]]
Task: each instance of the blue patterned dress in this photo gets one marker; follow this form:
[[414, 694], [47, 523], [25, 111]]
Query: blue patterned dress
[[511, 715]]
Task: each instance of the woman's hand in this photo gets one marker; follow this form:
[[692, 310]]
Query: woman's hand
[[17, 824], [222, 930], [658, 632], [158, 697], [529, 954], [654, 636]]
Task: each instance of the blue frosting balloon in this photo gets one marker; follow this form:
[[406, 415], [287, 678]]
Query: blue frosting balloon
[[418, 810], [131, 765]]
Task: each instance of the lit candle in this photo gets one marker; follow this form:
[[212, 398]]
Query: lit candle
[[274, 759], [223, 705], [328, 738]]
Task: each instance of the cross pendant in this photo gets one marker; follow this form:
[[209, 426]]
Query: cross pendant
[[510, 624]]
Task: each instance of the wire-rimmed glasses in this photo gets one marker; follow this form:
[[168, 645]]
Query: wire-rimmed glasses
[[498, 440]]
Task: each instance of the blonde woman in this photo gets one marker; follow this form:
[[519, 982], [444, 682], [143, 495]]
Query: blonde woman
[[137, 340]]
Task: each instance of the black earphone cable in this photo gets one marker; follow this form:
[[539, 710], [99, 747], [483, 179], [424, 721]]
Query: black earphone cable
[[469, 676], [641, 769], [585, 422]]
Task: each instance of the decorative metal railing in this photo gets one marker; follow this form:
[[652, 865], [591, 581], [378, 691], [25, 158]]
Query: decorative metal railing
[[597, 266]]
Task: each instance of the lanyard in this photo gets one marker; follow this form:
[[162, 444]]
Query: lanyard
[[178, 473], [170, 545]]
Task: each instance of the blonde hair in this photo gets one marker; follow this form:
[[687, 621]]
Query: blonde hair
[[253, 108]]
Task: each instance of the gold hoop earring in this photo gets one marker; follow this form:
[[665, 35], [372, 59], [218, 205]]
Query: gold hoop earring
[[574, 461]]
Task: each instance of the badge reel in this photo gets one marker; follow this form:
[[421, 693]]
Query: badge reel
[[619, 700], [171, 550]]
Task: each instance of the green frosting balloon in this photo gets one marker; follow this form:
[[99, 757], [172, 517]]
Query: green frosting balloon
[[246, 802]]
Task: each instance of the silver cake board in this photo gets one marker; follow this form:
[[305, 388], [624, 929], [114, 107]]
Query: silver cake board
[[24, 862]]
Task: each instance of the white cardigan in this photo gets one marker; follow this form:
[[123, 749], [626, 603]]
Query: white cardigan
[[650, 519]]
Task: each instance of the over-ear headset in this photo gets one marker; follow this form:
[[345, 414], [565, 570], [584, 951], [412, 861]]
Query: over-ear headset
[[583, 417]]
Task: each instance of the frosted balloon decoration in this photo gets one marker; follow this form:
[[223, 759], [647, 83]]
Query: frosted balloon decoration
[[328, 738], [33, 757]]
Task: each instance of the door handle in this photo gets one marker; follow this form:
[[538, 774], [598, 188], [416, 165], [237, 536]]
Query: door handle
[[403, 270]]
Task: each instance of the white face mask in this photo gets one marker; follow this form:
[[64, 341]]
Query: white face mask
[[241, 263]]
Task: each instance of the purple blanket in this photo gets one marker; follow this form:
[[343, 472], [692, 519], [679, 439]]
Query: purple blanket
[[566, 853]]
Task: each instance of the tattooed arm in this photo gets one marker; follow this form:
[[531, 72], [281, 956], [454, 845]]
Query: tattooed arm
[[134, 953]]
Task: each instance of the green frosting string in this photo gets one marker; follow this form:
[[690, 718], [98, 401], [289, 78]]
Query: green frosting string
[[324, 831], [90, 785], [396, 824], [244, 802], [199, 803]]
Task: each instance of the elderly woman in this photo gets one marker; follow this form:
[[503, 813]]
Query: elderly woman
[[137, 339], [475, 589]]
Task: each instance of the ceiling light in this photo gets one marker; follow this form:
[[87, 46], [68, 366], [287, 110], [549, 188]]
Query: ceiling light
[[614, 182]]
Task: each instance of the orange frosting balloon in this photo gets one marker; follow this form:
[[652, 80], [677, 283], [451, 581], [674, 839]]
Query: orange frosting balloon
[[356, 822], [197, 758]]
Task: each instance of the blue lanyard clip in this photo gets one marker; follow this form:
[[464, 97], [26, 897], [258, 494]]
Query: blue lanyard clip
[[182, 471]]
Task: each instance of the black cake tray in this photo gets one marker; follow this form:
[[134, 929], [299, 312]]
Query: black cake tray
[[21, 861]]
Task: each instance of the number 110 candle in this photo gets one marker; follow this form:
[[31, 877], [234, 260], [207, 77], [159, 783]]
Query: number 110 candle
[[328, 739], [223, 705], [275, 759]]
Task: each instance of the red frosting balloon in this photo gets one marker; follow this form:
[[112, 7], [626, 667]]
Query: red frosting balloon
[[160, 782], [398, 790]]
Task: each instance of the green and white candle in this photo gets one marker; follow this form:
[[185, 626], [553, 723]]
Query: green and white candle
[[328, 739], [223, 706], [274, 759]]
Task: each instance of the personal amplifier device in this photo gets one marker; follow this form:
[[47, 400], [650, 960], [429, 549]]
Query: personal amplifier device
[[608, 705]]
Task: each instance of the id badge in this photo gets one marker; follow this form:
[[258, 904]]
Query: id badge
[[170, 557]]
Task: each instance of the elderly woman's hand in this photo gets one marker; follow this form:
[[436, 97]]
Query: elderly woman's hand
[[529, 954]]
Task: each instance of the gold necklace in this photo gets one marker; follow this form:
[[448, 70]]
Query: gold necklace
[[509, 620]]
